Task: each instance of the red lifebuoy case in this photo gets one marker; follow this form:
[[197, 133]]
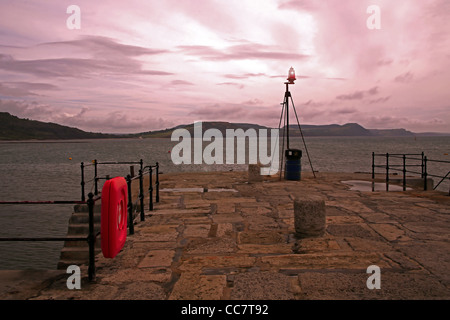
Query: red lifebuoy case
[[113, 225]]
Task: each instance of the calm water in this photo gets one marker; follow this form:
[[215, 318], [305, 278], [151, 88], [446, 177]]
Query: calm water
[[51, 171]]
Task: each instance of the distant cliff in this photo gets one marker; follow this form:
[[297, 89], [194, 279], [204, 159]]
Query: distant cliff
[[349, 129]]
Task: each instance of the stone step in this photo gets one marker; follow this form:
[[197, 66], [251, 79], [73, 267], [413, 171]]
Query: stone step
[[78, 244], [79, 208], [84, 218], [81, 229], [77, 253], [64, 263], [82, 242]]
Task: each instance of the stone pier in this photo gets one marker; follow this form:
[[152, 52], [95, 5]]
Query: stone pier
[[217, 236]]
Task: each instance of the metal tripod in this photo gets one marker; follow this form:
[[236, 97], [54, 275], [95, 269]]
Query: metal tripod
[[285, 113]]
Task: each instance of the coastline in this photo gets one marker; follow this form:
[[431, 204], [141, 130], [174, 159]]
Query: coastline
[[65, 140]]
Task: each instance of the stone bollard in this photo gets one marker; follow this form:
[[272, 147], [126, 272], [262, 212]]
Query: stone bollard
[[254, 173], [309, 217]]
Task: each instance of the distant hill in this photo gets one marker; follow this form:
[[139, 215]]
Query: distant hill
[[221, 126], [14, 128], [392, 133], [432, 134], [349, 129]]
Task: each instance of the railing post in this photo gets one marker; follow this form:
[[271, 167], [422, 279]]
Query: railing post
[[373, 165], [387, 171], [157, 182], [83, 198], [141, 192], [150, 189], [91, 238], [130, 206], [425, 174], [141, 163], [422, 164], [404, 172], [95, 177]]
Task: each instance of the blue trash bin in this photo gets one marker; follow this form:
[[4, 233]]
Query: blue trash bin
[[293, 166]]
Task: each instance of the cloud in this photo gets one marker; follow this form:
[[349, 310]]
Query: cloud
[[379, 100], [358, 95], [345, 111], [76, 68], [385, 62], [404, 78], [345, 45], [304, 5], [157, 57], [312, 103], [245, 75], [252, 112], [238, 85], [219, 111], [107, 58], [23, 89], [373, 91], [114, 122], [102, 47], [181, 83], [25, 109], [85, 118], [253, 102], [240, 52]]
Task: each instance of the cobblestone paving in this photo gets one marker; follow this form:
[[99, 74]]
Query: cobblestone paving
[[217, 236]]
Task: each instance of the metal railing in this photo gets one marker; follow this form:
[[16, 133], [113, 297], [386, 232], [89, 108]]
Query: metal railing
[[96, 177], [443, 178], [411, 160], [92, 198], [144, 170], [90, 237]]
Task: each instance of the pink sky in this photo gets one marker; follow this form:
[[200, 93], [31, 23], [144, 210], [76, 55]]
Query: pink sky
[[144, 65]]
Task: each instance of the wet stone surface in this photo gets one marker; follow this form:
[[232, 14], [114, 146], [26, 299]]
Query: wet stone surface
[[240, 243]]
